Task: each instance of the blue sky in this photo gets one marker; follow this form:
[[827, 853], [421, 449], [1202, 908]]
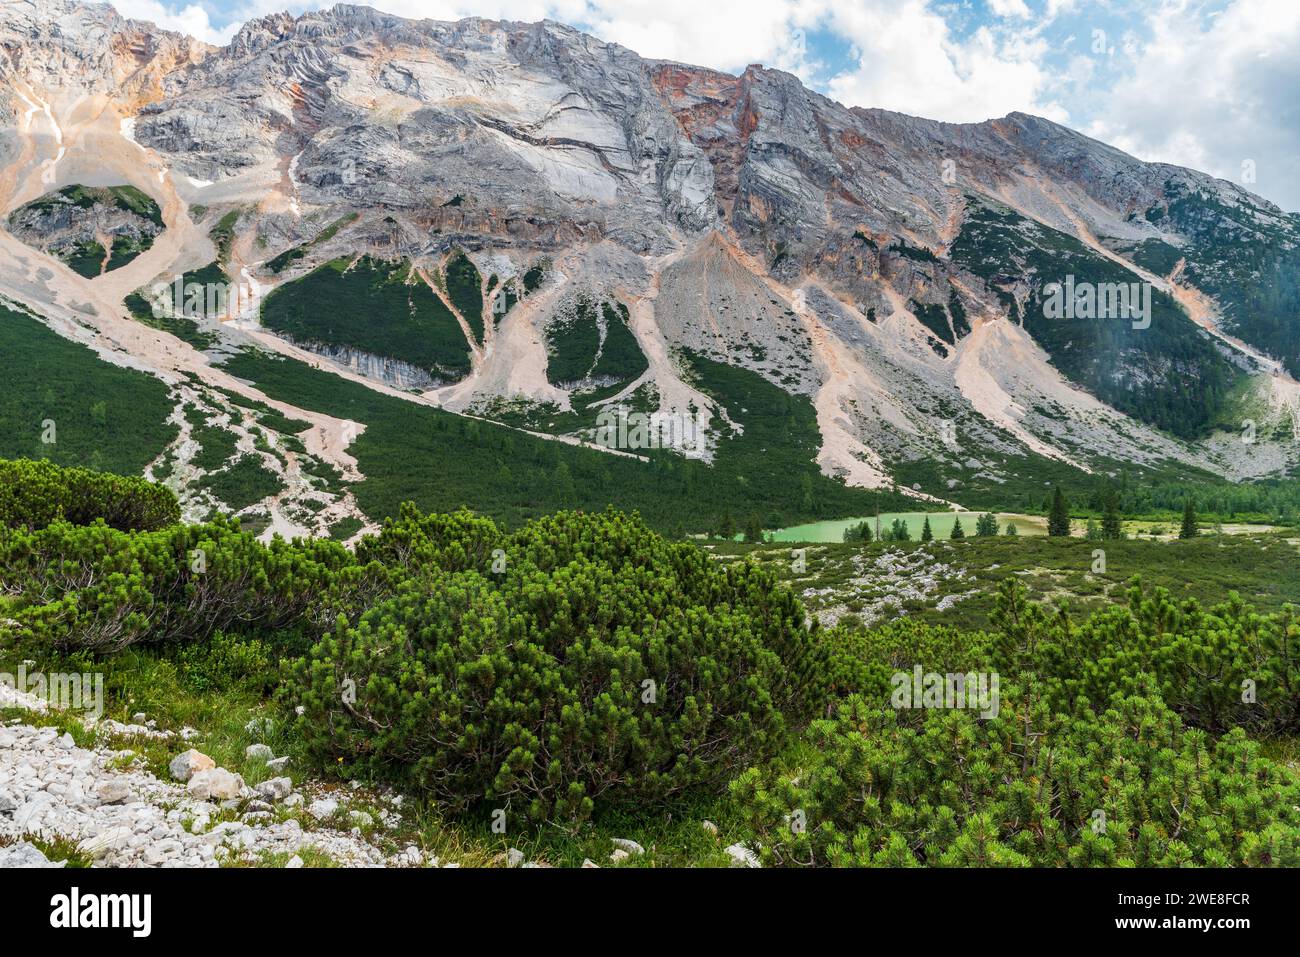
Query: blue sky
[[1210, 84]]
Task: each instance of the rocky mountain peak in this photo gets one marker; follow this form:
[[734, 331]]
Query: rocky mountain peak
[[883, 266]]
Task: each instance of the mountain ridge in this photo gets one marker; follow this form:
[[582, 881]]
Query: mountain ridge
[[742, 218]]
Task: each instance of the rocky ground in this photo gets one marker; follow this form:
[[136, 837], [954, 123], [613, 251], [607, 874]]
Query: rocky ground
[[881, 586], [61, 802], [69, 798]]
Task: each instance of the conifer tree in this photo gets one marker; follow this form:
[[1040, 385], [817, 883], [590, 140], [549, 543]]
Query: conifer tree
[[1188, 529], [1058, 520], [957, 531], [1110, 522], [861, 532], [986, 525], [926, 534]]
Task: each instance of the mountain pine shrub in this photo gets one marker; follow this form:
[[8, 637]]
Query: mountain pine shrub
[[34, 494], [94, 588], [598, 663], [1127, 785], [1219, 668]]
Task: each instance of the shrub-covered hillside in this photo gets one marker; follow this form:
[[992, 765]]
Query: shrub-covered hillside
[[582, 670]]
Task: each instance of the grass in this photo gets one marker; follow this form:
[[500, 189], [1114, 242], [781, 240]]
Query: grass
[[63, 722], [206, 690], [55, 848], [217, 688], [105, 417], [671, 838]]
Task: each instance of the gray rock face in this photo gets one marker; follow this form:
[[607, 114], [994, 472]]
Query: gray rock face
[[585, 138], [745, 217], [543, 131]]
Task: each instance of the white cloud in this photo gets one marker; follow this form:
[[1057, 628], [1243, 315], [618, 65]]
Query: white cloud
[[190, 19], [1214, 92], [1009, 8], [722, 34], [909, 60]]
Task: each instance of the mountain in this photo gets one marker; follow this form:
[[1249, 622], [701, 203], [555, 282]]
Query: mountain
[[452, 246]]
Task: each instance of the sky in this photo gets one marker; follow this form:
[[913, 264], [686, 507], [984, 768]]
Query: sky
[[1210, 84]]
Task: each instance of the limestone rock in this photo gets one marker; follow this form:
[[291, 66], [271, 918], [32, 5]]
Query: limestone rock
[[184, 766]]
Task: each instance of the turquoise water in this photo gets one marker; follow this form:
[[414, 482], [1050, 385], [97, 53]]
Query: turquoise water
[[940, 524]]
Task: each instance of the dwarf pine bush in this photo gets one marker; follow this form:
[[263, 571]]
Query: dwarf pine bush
[[1219, 668], [589, 661], [1128, 785], [94, 588], [584, 661], [1120, 740], [34, 494]]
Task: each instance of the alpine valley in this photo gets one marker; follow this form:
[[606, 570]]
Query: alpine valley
[[444, 249], [475, 445]]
